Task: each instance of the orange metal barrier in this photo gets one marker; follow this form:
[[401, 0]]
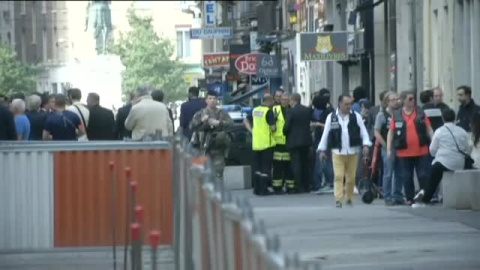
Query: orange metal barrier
[[215, 231], [83, 194]]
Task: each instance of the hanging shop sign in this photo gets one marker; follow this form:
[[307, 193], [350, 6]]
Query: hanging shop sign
[[327, 46]]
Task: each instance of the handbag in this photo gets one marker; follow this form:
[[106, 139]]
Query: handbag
[[468, 159]]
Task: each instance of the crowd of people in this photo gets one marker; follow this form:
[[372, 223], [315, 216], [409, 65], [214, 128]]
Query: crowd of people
[[320, 149], [62, 117], [296, 148]]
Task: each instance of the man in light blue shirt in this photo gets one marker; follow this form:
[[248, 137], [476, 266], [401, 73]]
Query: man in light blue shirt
[[21, 121]]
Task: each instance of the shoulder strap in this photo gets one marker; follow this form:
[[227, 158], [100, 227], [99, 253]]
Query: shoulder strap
[[81, 115], [458, 148]]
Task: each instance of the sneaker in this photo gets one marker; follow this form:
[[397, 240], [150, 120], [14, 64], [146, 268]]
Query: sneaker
[[419, 205], [338, 204], [390, 203], [324, 190], [349, 203], [355, 190], [419, 196]]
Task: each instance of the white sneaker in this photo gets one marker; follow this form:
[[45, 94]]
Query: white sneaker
[[355, 190], [419, 197], [419, 205]]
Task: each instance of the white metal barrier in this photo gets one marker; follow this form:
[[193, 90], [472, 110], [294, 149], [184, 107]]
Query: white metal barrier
[[213, 230]]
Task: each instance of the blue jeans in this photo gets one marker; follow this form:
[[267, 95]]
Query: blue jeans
[[388, 180], [323, 168], [404, 175]]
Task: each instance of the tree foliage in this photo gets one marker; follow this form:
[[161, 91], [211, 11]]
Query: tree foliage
[[15, 76], [148, 59]]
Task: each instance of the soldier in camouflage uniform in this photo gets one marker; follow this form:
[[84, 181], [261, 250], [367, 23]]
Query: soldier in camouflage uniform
[[210, 126]]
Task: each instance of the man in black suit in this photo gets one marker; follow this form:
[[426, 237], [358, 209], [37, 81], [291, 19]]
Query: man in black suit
[[299, 140], [189, 108], [101, 123], [8, 130], [122, 114]]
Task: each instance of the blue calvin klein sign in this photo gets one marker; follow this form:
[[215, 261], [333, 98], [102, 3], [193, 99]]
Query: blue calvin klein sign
[[210, 13]]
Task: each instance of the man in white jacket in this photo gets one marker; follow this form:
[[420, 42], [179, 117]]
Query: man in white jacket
[[345, 134], [148, 118]]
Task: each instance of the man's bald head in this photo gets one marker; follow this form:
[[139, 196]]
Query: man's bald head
[[268, 100]]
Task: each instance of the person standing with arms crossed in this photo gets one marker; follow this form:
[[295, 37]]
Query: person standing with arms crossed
[[344, 134]]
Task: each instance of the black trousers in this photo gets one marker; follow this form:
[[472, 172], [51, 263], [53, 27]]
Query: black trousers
[[435, 179], [262, 170], [301, 167]]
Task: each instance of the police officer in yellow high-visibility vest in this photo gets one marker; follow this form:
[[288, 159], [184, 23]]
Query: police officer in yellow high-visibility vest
[[282, 171], [263, 143]]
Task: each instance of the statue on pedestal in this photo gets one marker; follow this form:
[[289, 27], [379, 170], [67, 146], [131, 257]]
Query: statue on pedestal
[[99, 22]]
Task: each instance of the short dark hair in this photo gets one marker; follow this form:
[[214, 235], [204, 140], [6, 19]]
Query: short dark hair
[[448, 115], [467, 89], [280, 90], [340, 98], [94, 96], [158, 95], [382, 95], [74, 93], [404, 94], [296, 97], [60, 100], [359, 93], [426, 96], [194, 91]]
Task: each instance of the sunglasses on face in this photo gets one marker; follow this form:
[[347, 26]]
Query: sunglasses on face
[[410, 98]]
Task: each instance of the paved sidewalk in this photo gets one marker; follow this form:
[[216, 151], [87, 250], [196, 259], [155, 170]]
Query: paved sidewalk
[[371, 236], [79, 259]]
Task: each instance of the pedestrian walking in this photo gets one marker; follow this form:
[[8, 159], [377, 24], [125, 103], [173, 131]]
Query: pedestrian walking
[[382, 126], [299, 141], [101, 124], [262, 125], [434, 108], [36, 116], [344, 134], [323, 170], [189, 109], [62, 124], [22, 123], [468, 107], [450, 144], [80, 109], [210, 126], [282, 171], [148, 119], [409, 135]]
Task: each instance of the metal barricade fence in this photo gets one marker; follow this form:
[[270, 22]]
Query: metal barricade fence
[[213, 230]]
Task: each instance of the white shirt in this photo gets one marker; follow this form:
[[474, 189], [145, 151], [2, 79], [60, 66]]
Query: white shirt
[[86, 115], [444, 149], [343, 122]]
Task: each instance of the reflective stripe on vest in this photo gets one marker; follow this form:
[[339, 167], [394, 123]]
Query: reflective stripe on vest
[[262, 137], [280, 138], [281, 156]]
